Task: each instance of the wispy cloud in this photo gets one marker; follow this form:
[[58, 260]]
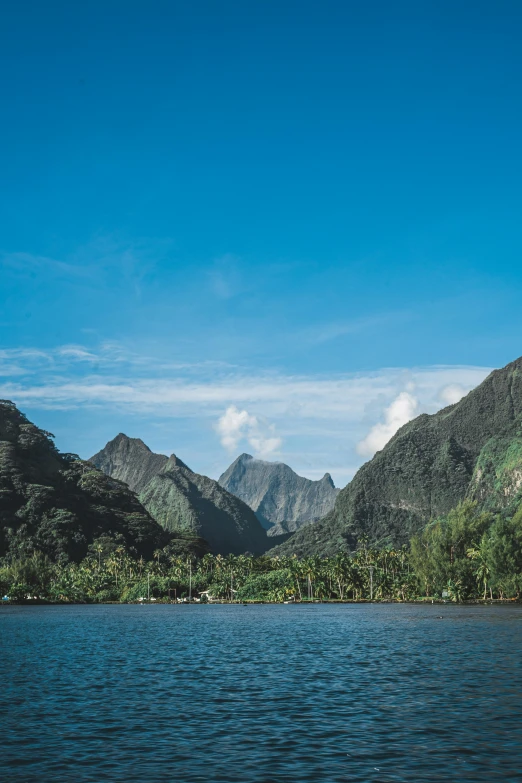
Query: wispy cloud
[[226, 279], [325, 332], [124, 378], [29, 262], [77, 352], [105, 258], [331, 421], [21, 361]]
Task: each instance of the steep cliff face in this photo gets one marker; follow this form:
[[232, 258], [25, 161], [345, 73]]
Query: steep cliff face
[[471, 449], [181, 500], [58, 503], [282, 500], [129, 460]]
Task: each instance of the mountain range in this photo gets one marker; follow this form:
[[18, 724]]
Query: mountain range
[[472, 449], [58, 504], [181, 500], [282, 500]]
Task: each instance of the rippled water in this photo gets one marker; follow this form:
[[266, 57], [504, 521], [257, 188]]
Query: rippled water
[[260, 694]]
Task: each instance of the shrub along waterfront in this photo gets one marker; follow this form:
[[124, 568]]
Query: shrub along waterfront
[[465, 555]]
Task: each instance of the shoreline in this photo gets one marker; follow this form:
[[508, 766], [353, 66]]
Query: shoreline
[[420, 601]]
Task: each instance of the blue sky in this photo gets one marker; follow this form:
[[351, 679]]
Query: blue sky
[[284, 227]]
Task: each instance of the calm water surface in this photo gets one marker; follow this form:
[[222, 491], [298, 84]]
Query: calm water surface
[[260, 694]]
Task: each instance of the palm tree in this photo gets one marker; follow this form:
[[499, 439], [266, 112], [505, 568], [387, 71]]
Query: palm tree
[[358, 580], [310, 572], [296, 567], [157, 554], [177, 566], [98, 549], [112, 564], [454, 589], [480, 554], [207, 563], [339, 568], [362, 551], [243, 565]]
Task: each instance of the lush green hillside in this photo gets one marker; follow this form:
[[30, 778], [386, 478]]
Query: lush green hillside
[[471, 449], [182, 501], [56, 503], [467, 554]]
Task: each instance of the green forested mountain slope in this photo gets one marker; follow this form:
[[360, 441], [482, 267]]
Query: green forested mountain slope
[[58, 504], [471, 449], [181, 500]]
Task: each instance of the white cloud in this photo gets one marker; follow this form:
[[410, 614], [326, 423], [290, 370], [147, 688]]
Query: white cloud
[[452, 393], [265, 446], [235, 426], [403, 409]]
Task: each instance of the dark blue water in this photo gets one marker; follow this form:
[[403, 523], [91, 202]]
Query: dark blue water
[[260, 694]]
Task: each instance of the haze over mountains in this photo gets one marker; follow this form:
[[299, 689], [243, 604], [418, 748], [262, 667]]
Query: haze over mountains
[[181, 500], [282, 500], [472, 449]]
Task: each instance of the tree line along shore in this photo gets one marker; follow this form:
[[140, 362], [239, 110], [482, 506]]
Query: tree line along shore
[[465, 555]]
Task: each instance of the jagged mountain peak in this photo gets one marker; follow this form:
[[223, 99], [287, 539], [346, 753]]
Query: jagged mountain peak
[[124, 445], [277, 493], [129, 460], [181, 500], [123, 440], [327, 479], [175, 462]]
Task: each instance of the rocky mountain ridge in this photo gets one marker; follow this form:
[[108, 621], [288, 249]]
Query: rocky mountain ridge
[[282, 500], [181, 500], [472, 449]]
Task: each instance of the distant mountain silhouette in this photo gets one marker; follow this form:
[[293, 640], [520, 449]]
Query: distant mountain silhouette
[[282, 500]]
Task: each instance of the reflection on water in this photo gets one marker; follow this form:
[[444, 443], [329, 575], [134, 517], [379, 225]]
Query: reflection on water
[[260, 694]]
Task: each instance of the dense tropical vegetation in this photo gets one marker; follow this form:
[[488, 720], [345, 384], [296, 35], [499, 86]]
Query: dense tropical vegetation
[[467, 554], [470, 553], [58, 504]]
